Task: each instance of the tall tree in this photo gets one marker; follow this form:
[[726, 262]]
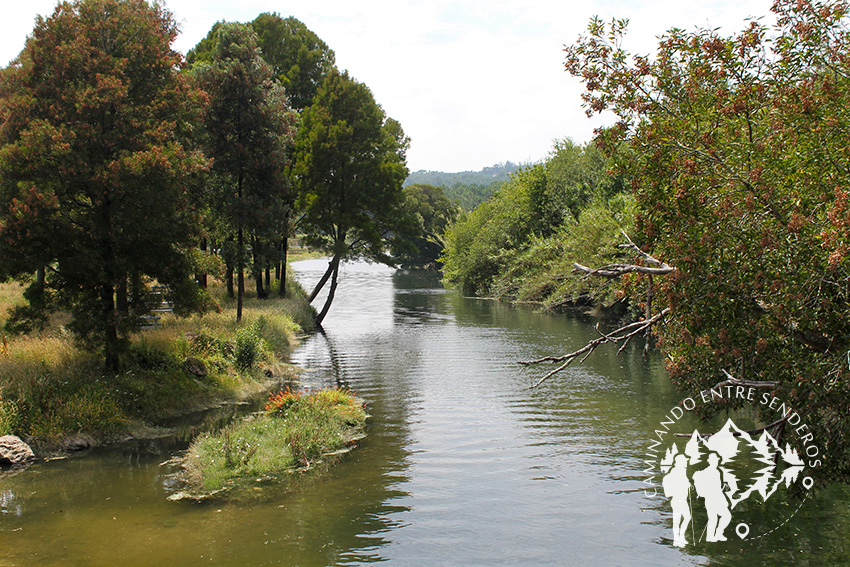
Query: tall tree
[[249, 127], [93, 171], [739, 162], [299, 58], [300, 61], [434, 213], [350, 166]]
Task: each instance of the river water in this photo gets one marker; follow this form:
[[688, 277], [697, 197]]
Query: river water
[[463, 464]]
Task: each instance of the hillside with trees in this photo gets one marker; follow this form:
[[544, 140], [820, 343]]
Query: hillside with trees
[[521, 243], [467, 188]]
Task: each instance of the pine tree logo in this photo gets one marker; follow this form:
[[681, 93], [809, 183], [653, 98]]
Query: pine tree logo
[[721, 471]]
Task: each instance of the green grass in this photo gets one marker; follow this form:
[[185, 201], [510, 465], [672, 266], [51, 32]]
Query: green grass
[[294, 432], [50, 388]]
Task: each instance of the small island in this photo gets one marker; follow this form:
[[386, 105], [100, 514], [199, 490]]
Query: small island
[[295, 431]]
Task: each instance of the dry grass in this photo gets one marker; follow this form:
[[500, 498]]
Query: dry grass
[[50, 388]]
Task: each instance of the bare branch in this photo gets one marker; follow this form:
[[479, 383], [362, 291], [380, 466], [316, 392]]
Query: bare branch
[[732, 381], [650, 259], [617, 270], [656, 267], [622, 334]]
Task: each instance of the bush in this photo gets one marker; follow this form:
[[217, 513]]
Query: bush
[[8, 417], [249, 347]]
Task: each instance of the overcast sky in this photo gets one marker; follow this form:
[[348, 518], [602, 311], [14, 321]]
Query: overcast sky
[[473, 82]]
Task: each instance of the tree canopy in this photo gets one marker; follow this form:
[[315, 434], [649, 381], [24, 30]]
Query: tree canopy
[[433, 212], [350, 166], [299, 59], [739, 161], [94, 171]]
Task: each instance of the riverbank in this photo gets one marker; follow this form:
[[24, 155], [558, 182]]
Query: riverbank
[[54, 395]]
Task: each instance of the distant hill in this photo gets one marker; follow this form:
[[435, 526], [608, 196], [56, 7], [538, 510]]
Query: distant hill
[[467, 188]]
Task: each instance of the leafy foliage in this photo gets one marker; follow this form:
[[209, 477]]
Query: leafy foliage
[[249, 129], [350, 164], [299, 59], [531, 217], [95, 172], [739, 163], [433, 212]]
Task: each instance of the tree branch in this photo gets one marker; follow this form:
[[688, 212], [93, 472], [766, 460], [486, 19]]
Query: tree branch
[[623, 334], [656, 267], [732, 381]]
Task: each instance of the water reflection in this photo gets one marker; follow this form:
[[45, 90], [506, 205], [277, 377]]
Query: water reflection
[[463, 465]]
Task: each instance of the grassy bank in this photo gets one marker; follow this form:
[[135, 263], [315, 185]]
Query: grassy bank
[[294, 432], [51, 389]]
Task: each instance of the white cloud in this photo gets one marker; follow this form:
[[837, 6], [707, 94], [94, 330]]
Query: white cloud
[[474, 82]]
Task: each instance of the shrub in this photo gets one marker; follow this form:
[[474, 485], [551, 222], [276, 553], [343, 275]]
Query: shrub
[[8, 417]]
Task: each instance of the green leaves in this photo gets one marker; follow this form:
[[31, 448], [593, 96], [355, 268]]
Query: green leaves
[[738, 156], [94, 168]]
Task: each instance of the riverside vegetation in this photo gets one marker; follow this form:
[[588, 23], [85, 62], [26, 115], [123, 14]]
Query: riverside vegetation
[[52, 389], [295, 431]]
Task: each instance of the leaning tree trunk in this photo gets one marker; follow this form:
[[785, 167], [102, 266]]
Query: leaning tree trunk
[[321, 316], [332, 266]]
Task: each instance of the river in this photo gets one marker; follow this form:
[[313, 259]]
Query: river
[[463, 464]]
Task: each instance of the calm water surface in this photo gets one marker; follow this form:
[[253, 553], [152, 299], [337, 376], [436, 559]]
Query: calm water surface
[[463, 464]]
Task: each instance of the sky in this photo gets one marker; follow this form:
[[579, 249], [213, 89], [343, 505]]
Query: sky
[[473, 83]]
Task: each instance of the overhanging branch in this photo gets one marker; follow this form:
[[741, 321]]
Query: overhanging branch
[[623, 334]]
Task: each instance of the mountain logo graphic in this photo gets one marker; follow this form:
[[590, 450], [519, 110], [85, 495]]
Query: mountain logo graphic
[[705, 471]]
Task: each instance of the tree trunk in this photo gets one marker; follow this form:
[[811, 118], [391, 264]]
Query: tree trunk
[[240, 273], [121, 302], [202, 276], [240, 257], [281, 253], [281, 267], [257, 268], [332, 266], [110, 328], [321, 316], [228, 278], [268, 277]]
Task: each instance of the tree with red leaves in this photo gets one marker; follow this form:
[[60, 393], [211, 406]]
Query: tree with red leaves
[[737, 151]]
